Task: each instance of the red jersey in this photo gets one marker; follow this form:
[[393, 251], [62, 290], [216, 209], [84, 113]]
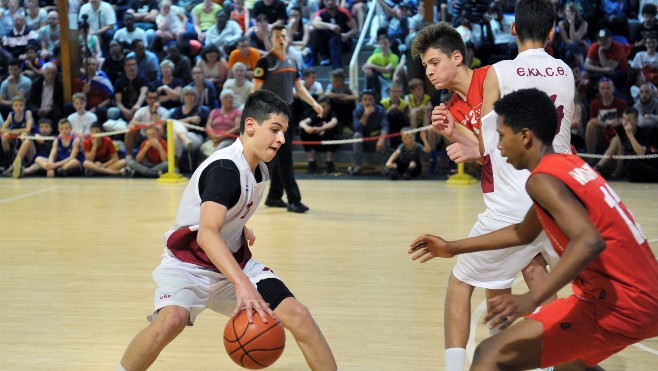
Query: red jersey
[[622, 281], [153, 155], [104, 151], [468, 111]]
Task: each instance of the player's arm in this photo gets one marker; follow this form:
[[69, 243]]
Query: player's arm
[[585, 244], [303, 93], [222, 188], [490, 96]]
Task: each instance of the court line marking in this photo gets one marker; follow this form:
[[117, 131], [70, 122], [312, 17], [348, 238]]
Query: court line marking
[[29, 194]]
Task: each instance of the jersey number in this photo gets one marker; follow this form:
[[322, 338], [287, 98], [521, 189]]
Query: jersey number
[[612, 200]]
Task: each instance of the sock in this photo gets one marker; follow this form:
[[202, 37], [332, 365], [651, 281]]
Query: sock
[[455, 359], [120, 368]]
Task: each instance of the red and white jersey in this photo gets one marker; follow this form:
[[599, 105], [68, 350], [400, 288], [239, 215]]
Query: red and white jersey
[[468, 112], [504, 186], [624, 277], [181, 238]]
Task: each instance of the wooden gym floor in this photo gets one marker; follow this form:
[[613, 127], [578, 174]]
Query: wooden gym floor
[[77, 257]]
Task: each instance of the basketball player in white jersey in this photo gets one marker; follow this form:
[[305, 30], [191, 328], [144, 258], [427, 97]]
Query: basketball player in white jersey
[[207, 261], [503, 186]]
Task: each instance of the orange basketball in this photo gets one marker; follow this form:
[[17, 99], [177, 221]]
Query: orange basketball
[[254, 345]]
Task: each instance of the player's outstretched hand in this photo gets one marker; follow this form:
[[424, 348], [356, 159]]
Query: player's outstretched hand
[[460, 152], [505, 309], [427, 246], [442, 121], [250, 299]]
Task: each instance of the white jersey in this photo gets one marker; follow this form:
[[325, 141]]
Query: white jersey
[[504, 186], [189, 210]]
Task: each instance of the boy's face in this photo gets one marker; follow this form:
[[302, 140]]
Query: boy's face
[[45, 129], [440, 68], [367, 100], [309, 79], [326, 106], [267, 137], [629, 119], [395, 93], [509, 143], [648, 19], [418, 91], [64, 128], [384, 44], [78, 104], [650, 44], [95, 130], [30, 53], [151, 133], [336, 81], [18, 106], [408, 139]]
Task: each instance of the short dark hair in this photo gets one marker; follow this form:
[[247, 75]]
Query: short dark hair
[[277, 27], [209, 49], [649, 9], [534, 19], [96, 125], [531, 109], [262, 104], [441, 36], [632, 111]]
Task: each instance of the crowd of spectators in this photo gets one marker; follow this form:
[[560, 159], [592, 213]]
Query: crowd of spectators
[[143, 61]]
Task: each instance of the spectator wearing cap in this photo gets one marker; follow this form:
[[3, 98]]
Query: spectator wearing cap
[[369, 120], [607, 57]]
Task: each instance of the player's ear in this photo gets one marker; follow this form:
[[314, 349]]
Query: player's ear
[[551, 34], [512, 29], [250, 126], [457, 57], [527, 136]]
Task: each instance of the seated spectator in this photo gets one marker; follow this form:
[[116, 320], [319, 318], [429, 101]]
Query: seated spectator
[[275, 10], [259, 35], [100, 154], [647, 60], [203, 18], [101, 19], [334, 29], [308, 8], [130, 90], [206, 93], [14, 7], [97, 87], [129, 33], [357, 8], [420, 104], [18, 38], [30, 149], [240, 14], [66, 155], [192, 114], [406, 161], [397, 22], [145, 13], [35, 17], [224, 35], [182, 64], [469, 31], [343, 100], [151, 160], [299, 33], [318, 128], [214, 67], [171, 22], [239, 84], [147, 62], [81, 119], [151, 114], [573, 34], [605, 114], [45, 98], [498, 33], [380, 66], [49, 35], [14, 86], [18, 122], [397, 112], [300, 109], [31, 63], [113, 64], [369, 121], [622, 144], [647, 107], [245, 54], [614, 15], [607, 57], [168, 87], [648, 28], [223, 125]]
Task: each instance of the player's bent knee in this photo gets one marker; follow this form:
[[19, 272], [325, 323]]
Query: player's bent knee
[[486, 353], [172, 320]]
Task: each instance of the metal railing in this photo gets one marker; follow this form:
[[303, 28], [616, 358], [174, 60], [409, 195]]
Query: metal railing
[[365, 32]]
